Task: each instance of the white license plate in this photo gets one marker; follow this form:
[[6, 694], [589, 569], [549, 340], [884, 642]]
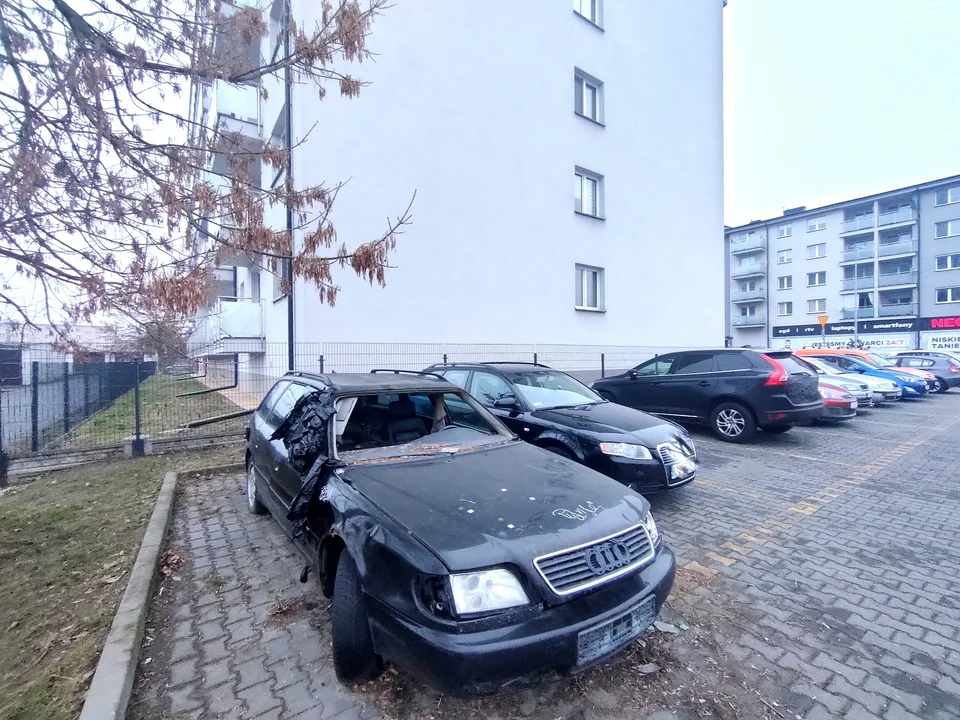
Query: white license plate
[[853, 405]]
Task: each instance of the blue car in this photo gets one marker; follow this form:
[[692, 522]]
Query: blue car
[[911, 385]]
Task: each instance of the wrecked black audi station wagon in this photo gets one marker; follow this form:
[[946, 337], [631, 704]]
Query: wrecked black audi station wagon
[[449, 546]]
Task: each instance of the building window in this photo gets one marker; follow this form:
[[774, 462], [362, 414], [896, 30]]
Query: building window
[[748, 285], [816, 278], [816, 251], [784, 257], [784, 231], [817, 223], [947, 228], [785, 282], [817, 306], [588, 193], [588, 96], [589, 291], [948, 295], [948, 262], [784, 309], [589, 10], [743, 237], [948, 196], [748, 311]]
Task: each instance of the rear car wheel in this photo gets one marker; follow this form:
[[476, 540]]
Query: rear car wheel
[[733, 422], [939, 386], [354, 658], [253, 499], [777, 429]]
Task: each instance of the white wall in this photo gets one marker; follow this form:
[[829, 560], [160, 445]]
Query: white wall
[[471, 106]]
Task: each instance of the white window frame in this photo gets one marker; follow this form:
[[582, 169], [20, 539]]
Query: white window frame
[[583, 275], [816, 276], [784, 257], [744, 286], [953, 196], [590, 10], [748, 311], [817, 223], [950, 265], [819, 308], [581, 177], [785, 309], [785, 282], [953, 295], [953, 228], [817, 256], [785, 230], [581, 81]]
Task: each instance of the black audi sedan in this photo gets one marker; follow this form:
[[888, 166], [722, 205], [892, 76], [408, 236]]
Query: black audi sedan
[[450, 547], [559, 413]]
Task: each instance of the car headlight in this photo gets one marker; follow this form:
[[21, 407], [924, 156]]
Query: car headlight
[[831, 394], [626, 450], [486, 591], [651, 525]]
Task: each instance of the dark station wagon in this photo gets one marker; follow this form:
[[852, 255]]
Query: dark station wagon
[[450, 547]]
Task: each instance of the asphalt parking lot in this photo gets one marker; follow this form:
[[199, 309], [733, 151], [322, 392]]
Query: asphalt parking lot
[[820, 578]]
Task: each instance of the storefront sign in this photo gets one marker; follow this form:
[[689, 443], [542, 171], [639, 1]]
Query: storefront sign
[[878, 341], [940, 340]]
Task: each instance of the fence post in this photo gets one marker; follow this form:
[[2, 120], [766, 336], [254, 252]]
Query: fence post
[[534, 358], [137, 440], [444, 358], [603, 365], [34, 406], [321, 364], [86, 391], [66, 398]]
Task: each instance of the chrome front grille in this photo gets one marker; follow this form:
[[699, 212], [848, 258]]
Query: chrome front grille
[[666, 450], [586, 566]]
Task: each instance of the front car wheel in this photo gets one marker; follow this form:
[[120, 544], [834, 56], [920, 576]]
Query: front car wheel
[[354, 658]]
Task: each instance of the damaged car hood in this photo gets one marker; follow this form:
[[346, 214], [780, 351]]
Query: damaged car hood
[[510, 503]]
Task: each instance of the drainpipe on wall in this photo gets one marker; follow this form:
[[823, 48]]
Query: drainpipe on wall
[[288, 102], [919, 274]]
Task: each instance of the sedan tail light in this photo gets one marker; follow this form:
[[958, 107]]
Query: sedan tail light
[[955, 369], [779, 376]]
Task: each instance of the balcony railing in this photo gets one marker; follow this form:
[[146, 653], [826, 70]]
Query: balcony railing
[[747, 295], [897, 309], [903, 247], [898, 278], [228, 318], [750, 320], [859, 252], [754, 269], [858, 313], [748, 246], [897, 216], [859, 283], [864, 222]]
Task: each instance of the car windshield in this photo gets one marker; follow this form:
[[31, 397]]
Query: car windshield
[[880, 361], [388, 425], [822, 367], [544, 389]]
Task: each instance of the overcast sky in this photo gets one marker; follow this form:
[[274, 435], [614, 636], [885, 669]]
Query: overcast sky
[[827, 100]]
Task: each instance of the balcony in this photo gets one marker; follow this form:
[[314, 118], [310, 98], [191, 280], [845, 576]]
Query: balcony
[[858, 283], [231, 325], [739, 296], [742, 321], [754, 244], [857, 224], [858, 313], [748, 271], [898, 278], [896, 217], [903, 247], [237, 107], [898, 309], [859, 252]]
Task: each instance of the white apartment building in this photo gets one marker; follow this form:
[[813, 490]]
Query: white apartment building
[[568, 170]]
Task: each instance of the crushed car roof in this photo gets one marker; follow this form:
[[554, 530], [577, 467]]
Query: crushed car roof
[[375, 382]]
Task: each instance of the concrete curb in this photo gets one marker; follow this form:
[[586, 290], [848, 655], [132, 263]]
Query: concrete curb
[[212, 470], [112, 683]]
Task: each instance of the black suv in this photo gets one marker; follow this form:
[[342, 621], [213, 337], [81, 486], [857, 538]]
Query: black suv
[[551, 409], [449, 546], [735, 391]]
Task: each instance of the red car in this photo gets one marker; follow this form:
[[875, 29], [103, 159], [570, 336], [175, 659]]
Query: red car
[[838, 404]]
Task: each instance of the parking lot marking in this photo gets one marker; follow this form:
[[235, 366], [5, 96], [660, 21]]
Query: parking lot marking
[[900, 425]]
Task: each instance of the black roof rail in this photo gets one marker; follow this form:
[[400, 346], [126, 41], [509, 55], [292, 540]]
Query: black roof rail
[[515, 362], [408, 372]]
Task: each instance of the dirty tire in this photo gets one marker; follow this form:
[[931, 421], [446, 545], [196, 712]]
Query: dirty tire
[[253, 498], [354, 659], [733, 422]]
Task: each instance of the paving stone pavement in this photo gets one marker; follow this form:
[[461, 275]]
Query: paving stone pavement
[[822, 563]]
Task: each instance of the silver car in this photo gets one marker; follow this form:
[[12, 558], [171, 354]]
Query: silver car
[[879, 390]]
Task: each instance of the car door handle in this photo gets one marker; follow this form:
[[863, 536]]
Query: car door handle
[[658, 384], [703, 383]]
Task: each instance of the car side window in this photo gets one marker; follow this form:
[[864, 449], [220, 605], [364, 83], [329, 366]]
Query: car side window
[[733, 361], [487, 387], [457, 377], [658, 366], [462, 414], [285, 403], [692, 363], [266, 405]]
